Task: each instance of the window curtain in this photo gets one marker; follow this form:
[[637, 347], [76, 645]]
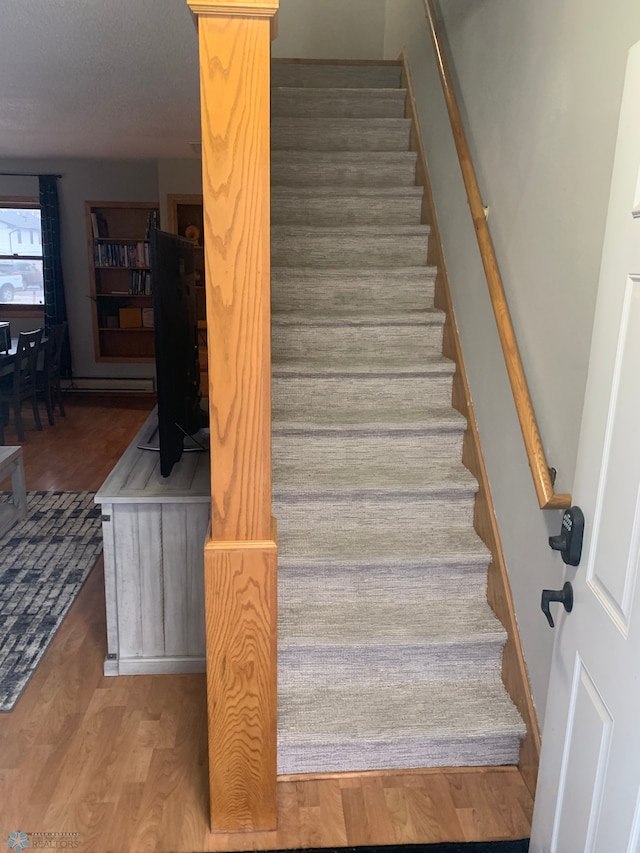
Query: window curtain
[[55, 309]]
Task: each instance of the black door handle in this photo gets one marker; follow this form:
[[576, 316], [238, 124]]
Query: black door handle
[[564, 596]]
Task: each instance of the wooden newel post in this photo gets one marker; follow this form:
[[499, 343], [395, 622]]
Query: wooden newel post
[[241, 553]]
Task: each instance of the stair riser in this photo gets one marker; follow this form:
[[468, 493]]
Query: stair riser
[[356, 512], [340, 396], [440, 442], [291, 395], [290, 169], [356, 252], [400, 452], [306, 757], [351, 210], [335, 76], [295, 134], [303, 666], [301, 291], [336, 103], [306, 344], [372, 583]]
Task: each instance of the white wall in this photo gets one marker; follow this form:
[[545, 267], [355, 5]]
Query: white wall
[[177, 177], [330, 29], [85, 180], [540, 86]]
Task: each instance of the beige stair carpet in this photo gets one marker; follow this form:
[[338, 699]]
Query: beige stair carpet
[[389, 655]]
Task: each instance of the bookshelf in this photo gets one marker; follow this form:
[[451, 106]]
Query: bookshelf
[[119, 277], [185, 217]]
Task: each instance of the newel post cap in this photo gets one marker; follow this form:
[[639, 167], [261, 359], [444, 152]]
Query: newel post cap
[[237, 9]]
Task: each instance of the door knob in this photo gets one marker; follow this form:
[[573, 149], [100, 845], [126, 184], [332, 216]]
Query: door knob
[[564, 596]]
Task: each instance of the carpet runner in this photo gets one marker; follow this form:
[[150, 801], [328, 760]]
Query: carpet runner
[[389, 655]]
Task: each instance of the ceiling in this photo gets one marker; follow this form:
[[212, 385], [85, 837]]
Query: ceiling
[[98, 78]]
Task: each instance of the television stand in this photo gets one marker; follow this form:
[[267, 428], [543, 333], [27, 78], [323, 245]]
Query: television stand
[[154, 529], [199, 441]]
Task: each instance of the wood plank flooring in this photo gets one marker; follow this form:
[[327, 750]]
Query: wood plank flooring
[[123, 761]]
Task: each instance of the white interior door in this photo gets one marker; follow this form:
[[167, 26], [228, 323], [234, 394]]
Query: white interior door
[[588, 796]]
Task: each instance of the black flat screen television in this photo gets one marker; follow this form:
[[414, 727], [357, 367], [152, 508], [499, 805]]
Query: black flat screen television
[[176, 341]]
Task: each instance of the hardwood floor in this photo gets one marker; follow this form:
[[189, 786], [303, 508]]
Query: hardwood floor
[[123, 761]]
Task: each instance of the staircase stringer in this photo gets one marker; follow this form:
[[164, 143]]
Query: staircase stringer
[[514, 673]]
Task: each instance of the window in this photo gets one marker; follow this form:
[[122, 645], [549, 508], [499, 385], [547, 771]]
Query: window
[[21, 280]]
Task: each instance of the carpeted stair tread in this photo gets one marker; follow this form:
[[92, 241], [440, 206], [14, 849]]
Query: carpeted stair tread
[[347, 399], [316, 665], [358, 450], [430, 316], [339, 102], [365, 565], [291, 133], [326, 75], [343, 168], [345, 348], [355, 232], [355, 552], [388, 641], [391, 621], [332, 206], [363, 578], [385, 365], [368, 511], [413, 420], [298, 477], [365, 292], [353, 248], [397, 726], [338, 277], [423, 710], [338, 194]]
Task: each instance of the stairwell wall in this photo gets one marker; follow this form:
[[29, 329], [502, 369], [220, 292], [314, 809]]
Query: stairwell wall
[[331, 29], [540, 86]]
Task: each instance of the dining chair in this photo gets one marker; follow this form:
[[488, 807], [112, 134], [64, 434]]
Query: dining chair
[[19, 383], [48, 373]]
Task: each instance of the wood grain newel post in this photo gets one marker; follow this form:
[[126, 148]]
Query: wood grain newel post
[[241, 552]]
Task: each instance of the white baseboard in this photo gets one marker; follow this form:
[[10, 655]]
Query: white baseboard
[[154, 666], [105, 383]]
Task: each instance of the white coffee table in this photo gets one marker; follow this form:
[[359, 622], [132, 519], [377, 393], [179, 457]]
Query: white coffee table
[[16, 509]]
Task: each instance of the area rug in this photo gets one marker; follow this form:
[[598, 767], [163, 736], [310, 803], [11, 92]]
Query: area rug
[[521, 846], [44, 561]]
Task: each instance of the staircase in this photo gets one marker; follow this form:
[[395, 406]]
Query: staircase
[[389, 655]]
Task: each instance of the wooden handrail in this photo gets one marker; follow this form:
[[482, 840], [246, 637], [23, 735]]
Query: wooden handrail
[[547, 498]]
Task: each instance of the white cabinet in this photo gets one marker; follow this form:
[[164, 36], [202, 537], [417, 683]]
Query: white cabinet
[[154, 532]]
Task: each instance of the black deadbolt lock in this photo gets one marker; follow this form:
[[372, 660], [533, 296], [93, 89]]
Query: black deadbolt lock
[[569, 542]]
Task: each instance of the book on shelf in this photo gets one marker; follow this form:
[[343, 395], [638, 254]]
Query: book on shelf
[[130, 318], [131, 255], [99, 225], [140, 283], [153, 221]]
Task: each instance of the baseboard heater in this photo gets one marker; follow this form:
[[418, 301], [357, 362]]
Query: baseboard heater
[[105, 383]]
